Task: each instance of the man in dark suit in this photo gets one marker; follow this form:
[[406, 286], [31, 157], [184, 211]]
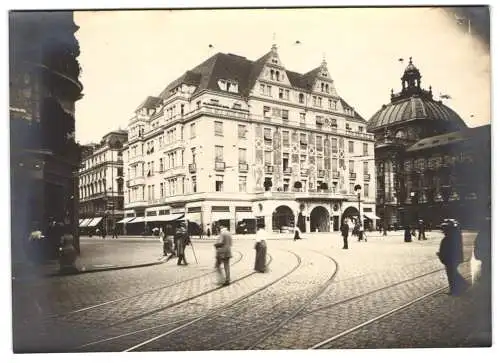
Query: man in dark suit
[[344, 229]]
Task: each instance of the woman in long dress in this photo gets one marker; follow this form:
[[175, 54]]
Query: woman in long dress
[[260, 250]]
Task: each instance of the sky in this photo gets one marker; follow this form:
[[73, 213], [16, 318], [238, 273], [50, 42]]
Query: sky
[[129, 55]]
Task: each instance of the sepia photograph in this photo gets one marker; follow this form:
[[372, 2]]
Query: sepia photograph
[[259, 178]]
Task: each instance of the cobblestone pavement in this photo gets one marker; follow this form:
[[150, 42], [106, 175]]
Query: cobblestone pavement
[[182, 308]]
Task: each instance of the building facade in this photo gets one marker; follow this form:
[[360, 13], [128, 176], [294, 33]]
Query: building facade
[[44, 87], [101, 183], [234, 140], [430, 165]]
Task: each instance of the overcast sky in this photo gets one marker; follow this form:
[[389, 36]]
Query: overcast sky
[[128, 55]]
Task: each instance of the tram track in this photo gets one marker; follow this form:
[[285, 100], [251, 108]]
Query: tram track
[[213, 313], [324, 343], [125, 298], [268, 332]]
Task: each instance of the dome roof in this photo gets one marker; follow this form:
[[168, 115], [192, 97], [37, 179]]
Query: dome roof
[[415, 107]]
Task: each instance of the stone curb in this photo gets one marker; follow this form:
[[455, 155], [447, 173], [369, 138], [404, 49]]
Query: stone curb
[[83, 270]]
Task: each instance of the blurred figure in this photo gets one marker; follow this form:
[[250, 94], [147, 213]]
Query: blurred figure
[[451, 255], [361, 233], [208, 232], [296, 233], [344, 229], [407, 234], [481, 255], [421, 230], [223, 255], [260, 250], [182, 241]]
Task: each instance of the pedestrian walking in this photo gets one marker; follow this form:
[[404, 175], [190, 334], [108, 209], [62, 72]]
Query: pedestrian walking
[[182, 241], [223, 255], [451, 255], [208, 232], [115, 232], [361, 233], [407, 234], [344, 229], [296, 234], [260, 250], [103, 234], [201, 231], [421, 230]]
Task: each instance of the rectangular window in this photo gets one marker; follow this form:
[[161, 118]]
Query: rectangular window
[[193, 130], [366, 190], [351, 188], [218, 130], [320, 163], [219, 183], [361, 129], [269, 92], [319, 143], [365, 167], [161, 190], [302, 117], [262, 89], [267, 136], [284, 115], [281, 93], [342, 164], [351, 146], [193, 181], [351, 166], [286, 138], [347, 127], [242, 155], [267, 111], [303, 141], [152, 192], [287, 94], [365, 149], [315, 101], [242, 131], [319, 101], [334, 164], [219, 153], [161, 165], [286, 158], [303, 165], [242, 184], [334, 146], [268, 160]]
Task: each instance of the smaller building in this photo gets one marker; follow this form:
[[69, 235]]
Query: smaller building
[[101, 184]]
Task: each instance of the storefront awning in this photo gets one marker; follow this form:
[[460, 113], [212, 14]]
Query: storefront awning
[[165, 218], [85, 222], [126, 220], [94, 222], [138, 220], [371, 216]]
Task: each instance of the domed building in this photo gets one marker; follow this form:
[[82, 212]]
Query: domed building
[[430, 165]]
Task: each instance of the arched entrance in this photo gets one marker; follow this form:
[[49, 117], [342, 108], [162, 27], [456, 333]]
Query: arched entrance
[[351, 214], [320, 219], [283, 218]]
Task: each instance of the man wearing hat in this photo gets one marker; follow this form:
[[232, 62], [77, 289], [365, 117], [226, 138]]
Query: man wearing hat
[[451, 255]]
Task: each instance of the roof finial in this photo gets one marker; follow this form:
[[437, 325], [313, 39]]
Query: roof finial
[[274, 48], [411, 61], [323, 63]]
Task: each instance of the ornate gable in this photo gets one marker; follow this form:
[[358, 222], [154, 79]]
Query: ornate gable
[[273, 70]]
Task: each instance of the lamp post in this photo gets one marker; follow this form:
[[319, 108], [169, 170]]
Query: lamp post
[[357, 189]]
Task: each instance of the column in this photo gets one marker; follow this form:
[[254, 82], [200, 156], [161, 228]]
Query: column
[[232, 221], [268, 220]]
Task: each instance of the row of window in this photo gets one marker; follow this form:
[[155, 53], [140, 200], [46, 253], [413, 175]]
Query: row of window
[[99, 175], [176, 186], [98, 188], [98, 159]]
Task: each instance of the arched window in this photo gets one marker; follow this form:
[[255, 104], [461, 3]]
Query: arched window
[[272, 74], [277, 75], [301, 98], [326, 88]]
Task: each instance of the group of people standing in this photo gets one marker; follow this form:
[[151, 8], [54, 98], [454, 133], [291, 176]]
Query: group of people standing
[[176, 246], [358, 231]]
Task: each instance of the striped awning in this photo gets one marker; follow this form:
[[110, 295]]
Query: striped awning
[[94, 222], [126, 220]]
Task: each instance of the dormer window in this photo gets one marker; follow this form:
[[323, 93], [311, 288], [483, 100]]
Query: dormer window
[[301, 98], [228, 85], [274, 61], [324, 74]]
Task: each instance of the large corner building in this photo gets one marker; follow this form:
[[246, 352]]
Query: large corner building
[[232, 141]]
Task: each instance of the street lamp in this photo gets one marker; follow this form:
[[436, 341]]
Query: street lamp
[[357, 189]]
